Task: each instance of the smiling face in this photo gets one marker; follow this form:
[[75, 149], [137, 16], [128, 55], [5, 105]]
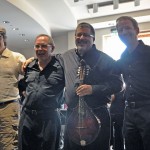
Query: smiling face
[[84, 39], [43, 48], [127, 32]]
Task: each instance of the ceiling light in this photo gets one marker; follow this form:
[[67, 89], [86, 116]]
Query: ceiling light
[[137, 2], [95, 7], [15, 29], [22, 34], [26, 40], [115, 4], [6, 22]]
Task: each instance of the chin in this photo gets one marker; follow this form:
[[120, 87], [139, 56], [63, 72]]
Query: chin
[[81, 47]]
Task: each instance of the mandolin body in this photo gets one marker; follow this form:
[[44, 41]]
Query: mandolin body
[[82, 125]]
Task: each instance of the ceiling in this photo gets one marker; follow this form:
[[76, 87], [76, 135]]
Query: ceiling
[[57, 17]]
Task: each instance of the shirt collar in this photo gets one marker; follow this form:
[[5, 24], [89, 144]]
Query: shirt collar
[[138, 49], [34, 64], [6, 53]]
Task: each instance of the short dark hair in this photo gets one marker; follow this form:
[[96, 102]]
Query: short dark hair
[[86, 25], [134, 22]]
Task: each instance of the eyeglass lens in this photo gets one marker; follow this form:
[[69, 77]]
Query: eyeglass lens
[[84, 34], [41, 46]]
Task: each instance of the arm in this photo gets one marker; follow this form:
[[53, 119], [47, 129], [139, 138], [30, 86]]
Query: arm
[[112, 85], [26, 63], [103, 81]]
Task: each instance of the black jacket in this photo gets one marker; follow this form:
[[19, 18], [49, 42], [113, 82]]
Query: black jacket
[[100, 76]]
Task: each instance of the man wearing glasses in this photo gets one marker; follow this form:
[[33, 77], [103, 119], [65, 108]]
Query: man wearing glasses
[[98, 84], [10, 68], [39, 127]]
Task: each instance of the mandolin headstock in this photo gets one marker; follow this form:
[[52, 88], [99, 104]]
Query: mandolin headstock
[[83, 70]]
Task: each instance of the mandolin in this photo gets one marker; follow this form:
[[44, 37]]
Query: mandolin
[[82, 126]]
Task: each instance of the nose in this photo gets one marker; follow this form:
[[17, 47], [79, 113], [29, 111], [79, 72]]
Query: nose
[[82, 36], [40, 47]]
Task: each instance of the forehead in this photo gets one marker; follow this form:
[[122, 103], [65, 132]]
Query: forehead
[[83, 29], [124, 22], [42, 39]]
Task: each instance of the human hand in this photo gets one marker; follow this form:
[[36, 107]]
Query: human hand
[[28, 61], [84, 90]]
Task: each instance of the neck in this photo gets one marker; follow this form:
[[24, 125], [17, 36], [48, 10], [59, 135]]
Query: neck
[[132, 46], [1, 50], [43, 63]]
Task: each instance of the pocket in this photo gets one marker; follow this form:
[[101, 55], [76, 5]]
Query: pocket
[[52, 81], [30, 79]]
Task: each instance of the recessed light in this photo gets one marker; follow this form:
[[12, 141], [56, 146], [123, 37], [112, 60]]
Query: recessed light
[[6, 22], [22, 34], [15, 28], [26, 40]]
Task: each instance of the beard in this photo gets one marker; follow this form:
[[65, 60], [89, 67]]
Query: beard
[[82, 47], [81, 50]]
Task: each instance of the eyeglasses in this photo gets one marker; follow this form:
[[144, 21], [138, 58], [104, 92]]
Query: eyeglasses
[[84, 34], [44, 46], [1, 36]]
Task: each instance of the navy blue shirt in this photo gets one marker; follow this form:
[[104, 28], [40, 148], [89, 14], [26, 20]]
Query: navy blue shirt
[[44, 88]]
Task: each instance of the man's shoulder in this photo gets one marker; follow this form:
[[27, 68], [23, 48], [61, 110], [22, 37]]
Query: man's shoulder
[[105, 56], [147, 47], [56, 61], [9, 53], [70, 51], [68, 54], [18, 56]]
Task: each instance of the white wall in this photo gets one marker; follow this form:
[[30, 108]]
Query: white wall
[[61, 43], [66, 42]]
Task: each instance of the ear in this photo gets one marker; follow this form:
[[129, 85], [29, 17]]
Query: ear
[[93, 39], [137, 30], [53, 47]]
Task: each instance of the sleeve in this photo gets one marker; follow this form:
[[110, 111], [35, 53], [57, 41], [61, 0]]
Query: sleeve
[[59, 57], [20, 60], [22, 89], [111, 82], [109, 87]]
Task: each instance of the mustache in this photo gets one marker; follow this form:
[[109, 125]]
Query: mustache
[[82, 42], [40, 52]]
